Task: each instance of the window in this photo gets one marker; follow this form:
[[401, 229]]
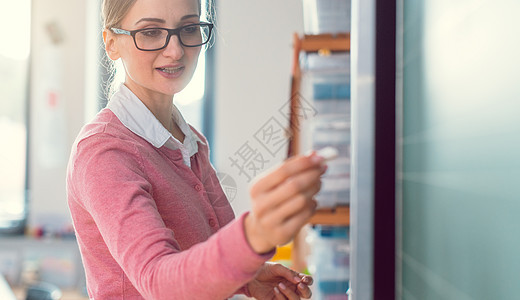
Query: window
[[14, 66]]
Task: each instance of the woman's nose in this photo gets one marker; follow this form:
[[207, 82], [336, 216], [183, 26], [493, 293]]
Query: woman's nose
[[174, 48]]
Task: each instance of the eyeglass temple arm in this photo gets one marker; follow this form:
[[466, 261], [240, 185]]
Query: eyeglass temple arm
[[120, 31]]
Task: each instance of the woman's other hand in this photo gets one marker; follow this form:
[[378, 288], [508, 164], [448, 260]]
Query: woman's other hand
[[283, 201], [274, 281]]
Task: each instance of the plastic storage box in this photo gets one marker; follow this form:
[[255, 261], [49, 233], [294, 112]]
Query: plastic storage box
[[329, 261], [335, 190], [332, 131], [333, 62], [331, 94], [326, 16]]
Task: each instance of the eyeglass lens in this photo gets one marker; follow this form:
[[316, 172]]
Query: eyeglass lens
[[155, 38]]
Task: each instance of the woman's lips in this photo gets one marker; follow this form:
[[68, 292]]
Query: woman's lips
[[171, 72]]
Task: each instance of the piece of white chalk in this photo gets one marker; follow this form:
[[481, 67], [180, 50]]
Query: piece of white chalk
[[328, 153]]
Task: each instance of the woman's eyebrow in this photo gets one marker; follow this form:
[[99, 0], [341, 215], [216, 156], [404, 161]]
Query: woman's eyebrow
[[157, 20], [189, 16]]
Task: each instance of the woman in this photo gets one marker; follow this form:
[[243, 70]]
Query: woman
[[151, 219]]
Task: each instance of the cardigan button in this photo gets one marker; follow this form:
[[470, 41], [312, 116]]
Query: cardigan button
[[198, 187], [212, 222]]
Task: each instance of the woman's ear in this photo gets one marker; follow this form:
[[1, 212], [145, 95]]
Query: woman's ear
[[110, 45]]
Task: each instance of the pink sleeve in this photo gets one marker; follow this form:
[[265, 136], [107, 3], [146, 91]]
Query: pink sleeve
[[114, 189]]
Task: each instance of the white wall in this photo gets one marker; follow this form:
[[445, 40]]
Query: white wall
[[59, 69], [253, 71]]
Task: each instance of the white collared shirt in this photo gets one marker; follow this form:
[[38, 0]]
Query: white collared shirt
[[141, 121]]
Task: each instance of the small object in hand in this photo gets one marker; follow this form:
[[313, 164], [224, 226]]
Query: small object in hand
[[328, 153]]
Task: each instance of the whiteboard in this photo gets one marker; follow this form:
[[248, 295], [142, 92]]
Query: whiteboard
[[459, 179]]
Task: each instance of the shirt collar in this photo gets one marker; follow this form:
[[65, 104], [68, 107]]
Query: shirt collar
[[140, 120]]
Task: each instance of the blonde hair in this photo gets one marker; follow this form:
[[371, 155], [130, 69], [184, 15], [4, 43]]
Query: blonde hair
[[113, 12]]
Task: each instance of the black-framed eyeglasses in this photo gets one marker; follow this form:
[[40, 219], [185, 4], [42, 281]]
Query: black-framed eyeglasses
[[153, 39]]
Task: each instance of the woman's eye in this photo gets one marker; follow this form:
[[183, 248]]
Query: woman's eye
[[190, 29], [151, 33]]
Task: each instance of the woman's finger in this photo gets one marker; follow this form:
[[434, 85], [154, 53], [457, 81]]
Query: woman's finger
[[282, 271], [304, 290], [287, 292], [308, 182], [278, 294], [308, 280], [269, 203], [297, 221], [279, 227], [293, 207], [289, 168], [298, 205]]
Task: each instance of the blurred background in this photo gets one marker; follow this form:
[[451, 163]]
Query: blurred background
[[420, 98]]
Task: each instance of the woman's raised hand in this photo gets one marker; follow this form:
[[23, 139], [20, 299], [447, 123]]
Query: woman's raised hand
[[282, 201]]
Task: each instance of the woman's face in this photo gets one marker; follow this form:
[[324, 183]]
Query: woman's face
[[165, 72]]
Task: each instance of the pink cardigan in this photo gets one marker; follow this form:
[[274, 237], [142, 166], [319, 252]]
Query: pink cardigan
[[147, 225]]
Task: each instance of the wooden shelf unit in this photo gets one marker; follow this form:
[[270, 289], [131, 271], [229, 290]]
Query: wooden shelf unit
[[325, 42], [340, 215]]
